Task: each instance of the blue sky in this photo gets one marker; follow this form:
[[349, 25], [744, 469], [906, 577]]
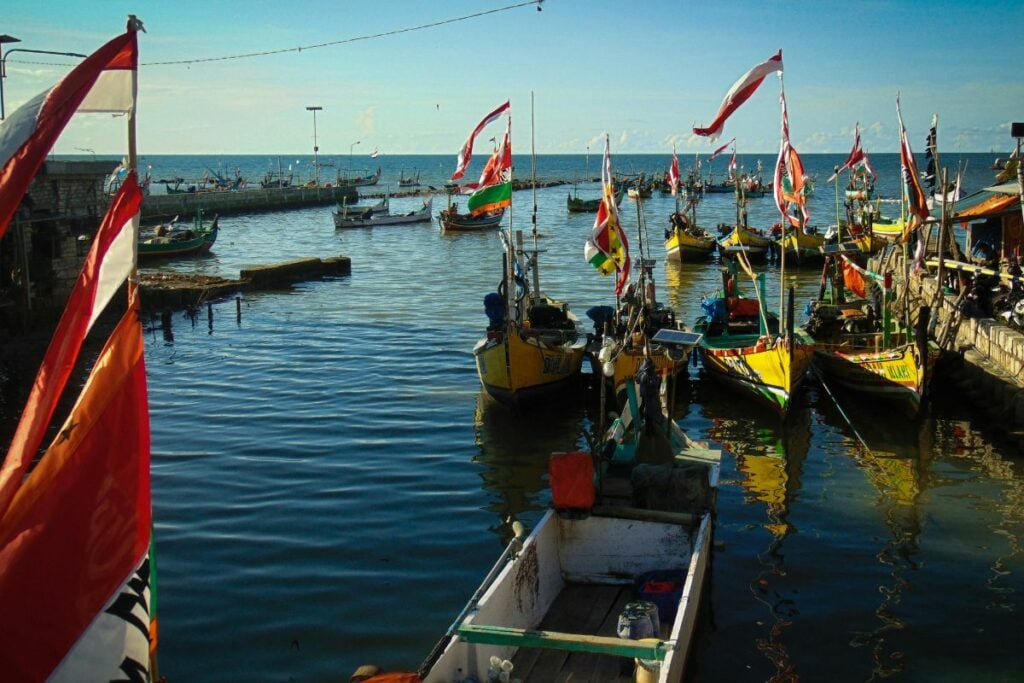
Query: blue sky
[[643, 72]]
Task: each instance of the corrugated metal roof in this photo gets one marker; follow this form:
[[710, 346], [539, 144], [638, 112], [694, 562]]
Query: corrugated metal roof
[[991, 205], [1009, 187]]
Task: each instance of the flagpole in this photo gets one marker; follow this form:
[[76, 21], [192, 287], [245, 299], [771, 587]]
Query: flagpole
[[784, 220]]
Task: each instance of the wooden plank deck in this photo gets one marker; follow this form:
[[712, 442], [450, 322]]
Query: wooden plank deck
[[585, 609]]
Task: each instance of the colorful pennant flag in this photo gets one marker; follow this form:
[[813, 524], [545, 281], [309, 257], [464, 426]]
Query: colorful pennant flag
[[104, 82], [607, 248], [739, 93], [917, 203], [788, 184], [466, 153]]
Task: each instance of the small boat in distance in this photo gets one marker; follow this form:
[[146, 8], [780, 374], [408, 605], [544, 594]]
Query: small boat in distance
[[172, 240], [411, 181], [453, 221], [342, 180], [577, 205], [421, 215]]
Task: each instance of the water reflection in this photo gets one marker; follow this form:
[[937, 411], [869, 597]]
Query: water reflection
[[769, 458], [514, 450]]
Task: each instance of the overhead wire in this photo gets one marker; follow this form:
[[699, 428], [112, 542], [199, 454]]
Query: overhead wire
[[264, 53]]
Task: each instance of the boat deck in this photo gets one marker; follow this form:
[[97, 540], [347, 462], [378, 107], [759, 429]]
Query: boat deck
[[586, 609]]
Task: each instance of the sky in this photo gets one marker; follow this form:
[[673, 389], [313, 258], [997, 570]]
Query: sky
[[642, 72]]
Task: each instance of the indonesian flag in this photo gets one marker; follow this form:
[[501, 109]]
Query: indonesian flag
[[74, 568], [466, 153], [788, 183], [374, 154], [607, 249], [104, 82], [917, 203], [856, 157], [673, 172], [720, 150], [109, 262], [732, 164], [739, 93]]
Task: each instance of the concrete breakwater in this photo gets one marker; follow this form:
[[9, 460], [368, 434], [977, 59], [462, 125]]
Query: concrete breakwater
[[164, 206]]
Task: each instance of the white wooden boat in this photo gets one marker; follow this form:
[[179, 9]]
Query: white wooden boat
[[554, 605], [421, 215]]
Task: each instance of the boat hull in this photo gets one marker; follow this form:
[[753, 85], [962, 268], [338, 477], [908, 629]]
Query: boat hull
[[765, 370], [803, 247], [517, 368], [683, 246], [899, 374], [755, 246], [458, 222], [604, 552]]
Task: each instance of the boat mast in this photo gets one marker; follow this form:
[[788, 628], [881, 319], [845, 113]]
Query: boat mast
[[533, 219]]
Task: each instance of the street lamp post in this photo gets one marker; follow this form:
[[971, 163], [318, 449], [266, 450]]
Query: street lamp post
[[4, 38], [316, 149]]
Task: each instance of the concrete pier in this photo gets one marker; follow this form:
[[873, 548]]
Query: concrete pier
[[161, 291], [982, 360]]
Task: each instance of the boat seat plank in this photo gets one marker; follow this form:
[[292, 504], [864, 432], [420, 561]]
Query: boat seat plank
[[590, 609]]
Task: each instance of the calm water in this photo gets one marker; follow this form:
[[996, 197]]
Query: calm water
[[329, 485]]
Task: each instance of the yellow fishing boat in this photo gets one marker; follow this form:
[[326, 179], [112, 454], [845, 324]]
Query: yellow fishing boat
[[743, 347], [804, 247], [853, 346], [686, 241], [519, 362], [888, 229], [753, 243]]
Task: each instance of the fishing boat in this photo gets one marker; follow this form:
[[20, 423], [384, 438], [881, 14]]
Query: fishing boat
[[172, 240], [803, 246], [453, 221], [420, 215], [609, 583], [857, 344], [357, 181], [346, 210], [753, 243], [533, 346], [685, 240], [577, 205], [408, 181], [745, 347], [639, 329]]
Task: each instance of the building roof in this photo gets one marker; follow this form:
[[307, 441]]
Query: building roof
[[988, 202]]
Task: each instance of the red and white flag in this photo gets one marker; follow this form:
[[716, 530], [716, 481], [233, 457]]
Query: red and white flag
[[917, 203], [856, 156], [720, 150], [109, 262], [373, 154], [466, 153], [739, 93], [732, 165], [673, 172], [105, 82]]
